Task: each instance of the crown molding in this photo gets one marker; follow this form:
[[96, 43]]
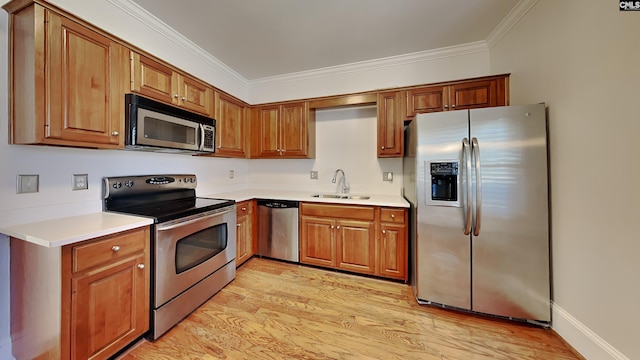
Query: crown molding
[[509, 21], [422, 56], [171, 34]]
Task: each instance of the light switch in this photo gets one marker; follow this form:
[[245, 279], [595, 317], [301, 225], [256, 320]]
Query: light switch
[[28, 184]]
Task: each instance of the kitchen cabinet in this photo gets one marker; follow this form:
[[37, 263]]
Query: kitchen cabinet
[[246, 227], [393, 247], [231, 126], [476, 93], [283, 131], [390, 124], [86, 300], [161, 82], [338, 236], [370, 240], [67, 80]]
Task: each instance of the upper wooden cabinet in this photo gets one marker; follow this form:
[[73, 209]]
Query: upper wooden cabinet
[[390, 124], [477, 93], [231, 126], [283, 131], [67, 81], [161, 82]]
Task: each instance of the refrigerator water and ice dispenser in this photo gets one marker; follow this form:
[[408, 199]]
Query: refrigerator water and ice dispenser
[[444, 181]]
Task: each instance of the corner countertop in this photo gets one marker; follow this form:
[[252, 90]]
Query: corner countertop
[[306, 196], [72, 229]]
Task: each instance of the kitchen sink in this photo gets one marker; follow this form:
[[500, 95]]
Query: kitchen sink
[[341, 196]]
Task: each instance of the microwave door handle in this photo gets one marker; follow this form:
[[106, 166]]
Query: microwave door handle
[[475, 150], [201, 142], [466, 165]]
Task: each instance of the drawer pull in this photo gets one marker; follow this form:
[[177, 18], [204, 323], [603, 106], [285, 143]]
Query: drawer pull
[[384, 231], [140, 266], [238, 225], [393, 216], [115, 248], [244, 209]]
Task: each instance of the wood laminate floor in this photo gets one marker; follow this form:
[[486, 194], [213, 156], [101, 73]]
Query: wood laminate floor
[[277, 310]]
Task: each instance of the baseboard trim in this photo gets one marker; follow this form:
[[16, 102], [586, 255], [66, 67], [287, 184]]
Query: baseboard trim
[[5, 348], [586, 342]]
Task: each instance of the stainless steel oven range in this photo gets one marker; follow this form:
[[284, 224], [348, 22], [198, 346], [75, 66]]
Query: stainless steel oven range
[[193, 243]]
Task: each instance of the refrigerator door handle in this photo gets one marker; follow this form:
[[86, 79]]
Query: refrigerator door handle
[[466, 164], [475, 150]]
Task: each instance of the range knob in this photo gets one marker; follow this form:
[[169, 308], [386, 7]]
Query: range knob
[[185, 180], [193, 180], [129, 183], [117, 185]]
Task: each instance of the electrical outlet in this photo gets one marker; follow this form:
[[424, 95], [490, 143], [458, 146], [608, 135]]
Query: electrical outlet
[[28, 184], [387, 176], [232, 174], [313, 175], [80, 182]]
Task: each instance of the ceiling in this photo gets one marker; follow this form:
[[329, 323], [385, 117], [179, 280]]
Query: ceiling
[[266, 38]]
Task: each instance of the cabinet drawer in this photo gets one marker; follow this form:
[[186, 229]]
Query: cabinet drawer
[[338, 211], [243, 208], [107, 249], [392, 215]]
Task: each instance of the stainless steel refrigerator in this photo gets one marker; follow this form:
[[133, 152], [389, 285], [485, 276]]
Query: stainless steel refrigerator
[[478, 187]]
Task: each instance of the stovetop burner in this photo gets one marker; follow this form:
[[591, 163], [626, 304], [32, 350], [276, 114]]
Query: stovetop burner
[[161, 197]]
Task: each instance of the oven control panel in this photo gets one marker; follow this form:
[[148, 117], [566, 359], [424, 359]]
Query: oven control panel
[[134, 185]]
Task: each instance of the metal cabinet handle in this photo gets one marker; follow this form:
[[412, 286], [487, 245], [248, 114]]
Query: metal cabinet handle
[[115, 133], [452, 106], [446, 106], [332, 226], [384, 231], [183, 98], [115, 248], [393, 216], [244, 209], [175, 96], [381, 147], [338, 227], [475, 150], [467, 169], [238, 225], [140, 266]]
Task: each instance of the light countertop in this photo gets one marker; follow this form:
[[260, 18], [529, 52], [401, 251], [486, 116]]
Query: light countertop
[[306, 196], [72, 229]]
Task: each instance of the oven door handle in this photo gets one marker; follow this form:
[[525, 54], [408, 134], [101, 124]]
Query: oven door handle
[[191, 219]]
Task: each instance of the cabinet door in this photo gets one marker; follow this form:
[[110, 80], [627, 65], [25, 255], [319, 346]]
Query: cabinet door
[[85, 78], [152, 79], [266, 132], [317, 241], [230, 126], [293, 130], [356, 246], [243, 240], [425, 100], [109, 308], [390, 125], [476, 94], [393, 252], [194, 95]]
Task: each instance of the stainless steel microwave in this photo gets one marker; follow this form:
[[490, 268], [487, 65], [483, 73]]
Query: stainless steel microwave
[[153, 126]]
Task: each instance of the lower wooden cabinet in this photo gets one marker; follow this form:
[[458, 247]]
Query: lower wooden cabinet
[[361, 239], [86, 300], [246, 228]]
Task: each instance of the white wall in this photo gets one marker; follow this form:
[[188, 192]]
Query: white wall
[[583, 60]]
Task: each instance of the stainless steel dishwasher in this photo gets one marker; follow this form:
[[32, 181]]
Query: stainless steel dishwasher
[[278, 229]]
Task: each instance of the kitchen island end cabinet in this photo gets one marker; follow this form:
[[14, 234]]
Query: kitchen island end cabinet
[[369, 240], [86, 300]]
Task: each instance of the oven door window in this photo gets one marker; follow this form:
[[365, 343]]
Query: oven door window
[[199, 247]]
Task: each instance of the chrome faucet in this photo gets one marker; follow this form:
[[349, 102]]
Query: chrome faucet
[[345, 184]]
